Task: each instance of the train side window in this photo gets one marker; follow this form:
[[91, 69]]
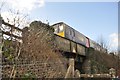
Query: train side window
[[73, 32], [69, 31]]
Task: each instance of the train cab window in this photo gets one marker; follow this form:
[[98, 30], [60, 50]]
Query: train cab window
[[61, 28], [56, 29]]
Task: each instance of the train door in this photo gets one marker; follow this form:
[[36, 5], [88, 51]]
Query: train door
[[73, 44], [67, 32], [87, 42]]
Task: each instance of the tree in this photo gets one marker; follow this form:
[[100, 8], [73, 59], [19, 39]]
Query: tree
[[10, 28], [103, 43], [38, 46]]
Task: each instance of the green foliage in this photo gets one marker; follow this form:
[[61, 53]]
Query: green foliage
[[29, 76], [98, 61], [8, 50], [101, 68]]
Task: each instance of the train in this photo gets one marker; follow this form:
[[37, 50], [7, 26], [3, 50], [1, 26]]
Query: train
[[74, 41]]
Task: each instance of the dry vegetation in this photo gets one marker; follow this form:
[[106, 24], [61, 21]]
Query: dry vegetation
[[38, 45], [37, 58]]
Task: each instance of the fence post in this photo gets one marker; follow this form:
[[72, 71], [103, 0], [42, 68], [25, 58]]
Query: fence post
[[77, 73], [70, 71], [0, 47], [112, 72]]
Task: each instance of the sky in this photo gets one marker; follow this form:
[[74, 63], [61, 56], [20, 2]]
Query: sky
[[93, 18]]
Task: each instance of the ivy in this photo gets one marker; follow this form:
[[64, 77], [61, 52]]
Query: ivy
[[8, 51]]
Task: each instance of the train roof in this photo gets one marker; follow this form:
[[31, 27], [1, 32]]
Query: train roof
[[69, 26], [58, 23]]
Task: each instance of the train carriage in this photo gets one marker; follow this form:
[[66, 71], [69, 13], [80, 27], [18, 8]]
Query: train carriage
[[66, 31], [78, 42]]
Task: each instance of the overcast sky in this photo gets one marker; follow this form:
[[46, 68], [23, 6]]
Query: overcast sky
[[90, 17]]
